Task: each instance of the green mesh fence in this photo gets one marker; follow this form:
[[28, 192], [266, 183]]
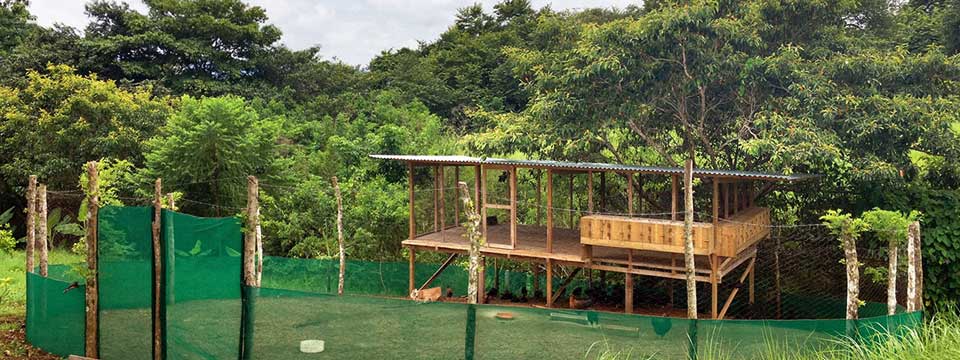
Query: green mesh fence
[[55, 312], [202, 310], [202, 306], [125, 260]]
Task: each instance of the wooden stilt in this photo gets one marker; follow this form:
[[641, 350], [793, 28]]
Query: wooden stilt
[[630, 194], [456, 204], [733, 294], [413, 218], [673, 197], [753, 270], [549, 283], [482, 284], [443, 203], [91, 338], [436, 198], [713, 257], [412, 270], [570, 205], [628, 285], [589, 192], [549, 210], [513, 208]]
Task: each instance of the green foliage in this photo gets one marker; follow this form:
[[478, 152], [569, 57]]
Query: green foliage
[[7, 241], [890, 226], [844, 225], [208, 148], [940, 235]]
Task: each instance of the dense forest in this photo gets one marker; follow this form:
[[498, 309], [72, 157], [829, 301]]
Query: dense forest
[[202, 92]]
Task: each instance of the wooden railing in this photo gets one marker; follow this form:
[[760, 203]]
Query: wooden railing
[[735, 234]]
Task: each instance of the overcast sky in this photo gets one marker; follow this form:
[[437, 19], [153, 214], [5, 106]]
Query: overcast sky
[[353, 31]]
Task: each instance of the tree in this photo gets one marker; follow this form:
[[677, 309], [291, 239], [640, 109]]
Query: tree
[[891, 228], [848, 230], [209, 146], [473, 20]]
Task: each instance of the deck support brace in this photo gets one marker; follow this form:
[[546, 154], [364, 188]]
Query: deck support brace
[[564, 284], [440, 270], [743, 277]]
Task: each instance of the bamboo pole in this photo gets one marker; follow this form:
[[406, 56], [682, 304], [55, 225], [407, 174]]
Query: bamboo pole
[[91, 335], [253, 221], [157, 271], [42, 228], [340, 245], [31, 221], [688, 255]]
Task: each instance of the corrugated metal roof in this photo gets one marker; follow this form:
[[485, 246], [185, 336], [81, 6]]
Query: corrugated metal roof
[[580, 166]]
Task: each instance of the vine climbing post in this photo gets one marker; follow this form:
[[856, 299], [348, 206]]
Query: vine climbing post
[[250, 241], [42, 228], [476, 241], [343, 255], [848, 229], [914, 300], [31, 220], [157, 271], [91, 339]]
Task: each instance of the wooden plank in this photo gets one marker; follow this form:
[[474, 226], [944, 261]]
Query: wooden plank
[[92, 326], [549, 210], [440, 270], [726, 305], [413, 218], [513, 207], [498, 206]]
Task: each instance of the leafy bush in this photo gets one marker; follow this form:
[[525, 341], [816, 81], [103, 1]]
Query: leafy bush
[[940, 234], [7, 241]]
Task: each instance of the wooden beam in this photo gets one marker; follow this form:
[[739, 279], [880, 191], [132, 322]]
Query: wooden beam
[[412, 271], [564, 284], [91, 338], [726, 305], [549, 210], [440, 270], [513, 207], [589, 192], [673, 197], [549, 283], [157, 272], [413, 218], [629, 194]]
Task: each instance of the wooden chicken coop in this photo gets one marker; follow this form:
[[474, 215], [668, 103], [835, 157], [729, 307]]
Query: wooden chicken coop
[[626, 218]]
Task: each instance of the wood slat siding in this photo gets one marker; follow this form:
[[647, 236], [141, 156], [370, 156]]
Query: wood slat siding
[[740, 232]]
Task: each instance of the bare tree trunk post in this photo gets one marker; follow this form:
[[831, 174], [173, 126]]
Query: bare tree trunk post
[[476, 241], [892, 277], [42, 229], [31, 220], [688, 255], [343, 255], [250, 241], [913, 267], [91, 337], [157, 271], [171, 202], [853, 276]]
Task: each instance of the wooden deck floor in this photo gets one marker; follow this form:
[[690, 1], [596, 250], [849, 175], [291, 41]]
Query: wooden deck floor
[[567, 250]]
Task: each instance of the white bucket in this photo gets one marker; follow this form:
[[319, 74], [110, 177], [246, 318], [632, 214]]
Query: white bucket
[[311, 346]]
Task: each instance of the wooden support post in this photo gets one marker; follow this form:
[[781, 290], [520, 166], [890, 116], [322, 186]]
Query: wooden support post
[[477, 186], [482, 284], [443, 204], [539, 198], [728, 197], [642, 193], [456, 204], [753, 270], [549, 210], [250, 240], [91, 337], [673, 197], [713, 244], [513, 208], [42, 228], [157, 272], [436, 198], [603, 192], [570, 205], [31, 221], [688, 255], [483, 202], [412, 271], [736, 198], [341, 247], [549, 283], [628, 284], [413, 217], [914, 300], [630, 194], [589, 192]]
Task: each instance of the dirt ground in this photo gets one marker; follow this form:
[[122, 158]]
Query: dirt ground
[[13, 342]]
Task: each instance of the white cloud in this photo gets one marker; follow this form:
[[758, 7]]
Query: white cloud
[[353, 31]]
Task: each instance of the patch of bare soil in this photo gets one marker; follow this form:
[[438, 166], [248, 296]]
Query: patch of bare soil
[[13, 341]]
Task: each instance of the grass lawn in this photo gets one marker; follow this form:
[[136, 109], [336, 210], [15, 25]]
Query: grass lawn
[[13, 293]]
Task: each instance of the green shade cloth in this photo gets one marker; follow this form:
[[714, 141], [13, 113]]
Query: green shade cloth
[[55, 316], [125, 261]]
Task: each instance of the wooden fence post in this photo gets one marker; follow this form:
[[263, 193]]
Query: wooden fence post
[[688, 240], [92, 338], [250, 241], [42, 228], [913, 267], [31, 220], [343, 255], [157, 270], [475, 271]]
